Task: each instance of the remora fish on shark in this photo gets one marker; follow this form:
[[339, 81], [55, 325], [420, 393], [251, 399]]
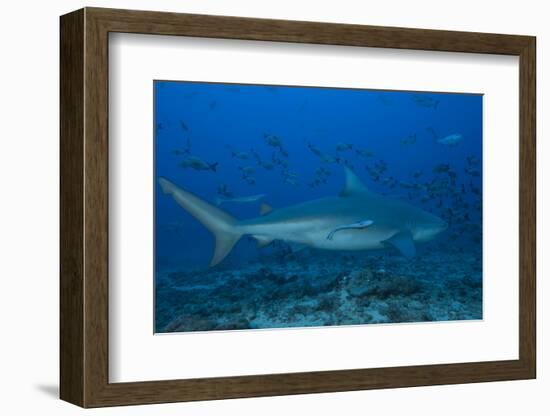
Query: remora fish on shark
[[390, 222]]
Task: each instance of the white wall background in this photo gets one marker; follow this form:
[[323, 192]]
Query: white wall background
[[29, 207]]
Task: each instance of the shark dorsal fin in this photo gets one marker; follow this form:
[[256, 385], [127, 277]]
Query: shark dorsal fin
[[265, 209], [353, 184]]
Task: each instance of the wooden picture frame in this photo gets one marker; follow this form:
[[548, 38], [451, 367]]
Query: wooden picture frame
[[84, 207]]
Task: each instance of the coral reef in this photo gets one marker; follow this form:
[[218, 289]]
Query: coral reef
[[320, 289]]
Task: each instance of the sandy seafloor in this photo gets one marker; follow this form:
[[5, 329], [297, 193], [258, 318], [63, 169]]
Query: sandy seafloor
[[319, 288]]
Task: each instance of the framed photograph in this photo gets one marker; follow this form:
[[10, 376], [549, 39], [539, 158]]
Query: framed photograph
[[255, 207]]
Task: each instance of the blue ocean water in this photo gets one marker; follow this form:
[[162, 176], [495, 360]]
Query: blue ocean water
[[285, 145]]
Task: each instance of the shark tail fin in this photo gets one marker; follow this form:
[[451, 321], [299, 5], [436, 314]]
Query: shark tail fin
[[222, 225]]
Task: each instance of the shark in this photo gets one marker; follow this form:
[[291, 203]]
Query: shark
[[451, 139], [355, 219]]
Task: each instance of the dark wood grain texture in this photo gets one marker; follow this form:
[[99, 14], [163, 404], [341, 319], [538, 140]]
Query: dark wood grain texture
[[527, 208], [72, 367], [84, 207]]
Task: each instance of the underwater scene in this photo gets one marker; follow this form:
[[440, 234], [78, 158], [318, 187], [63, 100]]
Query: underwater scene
[[287, 206]]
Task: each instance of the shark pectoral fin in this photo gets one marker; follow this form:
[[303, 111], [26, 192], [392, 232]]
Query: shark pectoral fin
[[265, 208], [263, 240], [403, 242]]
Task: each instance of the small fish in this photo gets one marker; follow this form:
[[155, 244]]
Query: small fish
[[240, 155], [472, 172], [290, 181], [240, 199], [427, 102], [328, 159], [224, 191], [289, 174], [185, 151], [314, 149], [342, 147], [273, 140], [410, 139], [212, 105], [381, 166], [441, 168], [322, 172], [290, 177], [371, 171], [364, 153], [266, 165], [262, 163], [472, 160], [196, 163], [279, 162], [250, 180], [344, 162], [317, 181], [247, 170], [450, 140]]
